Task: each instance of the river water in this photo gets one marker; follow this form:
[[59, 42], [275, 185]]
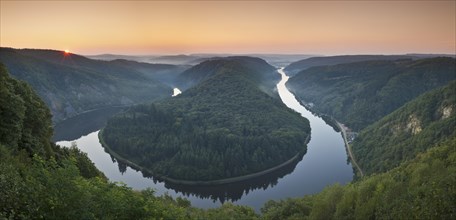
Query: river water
[[325, 163]]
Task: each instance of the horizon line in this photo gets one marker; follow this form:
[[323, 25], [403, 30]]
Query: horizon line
[[230, 53]]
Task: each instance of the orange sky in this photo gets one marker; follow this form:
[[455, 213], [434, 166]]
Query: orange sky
[[151, 27]]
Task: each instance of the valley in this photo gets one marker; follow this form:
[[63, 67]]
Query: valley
[[360, 93], [227, 110], [223, 127], [325, 150], [71, 84], [412, 142]]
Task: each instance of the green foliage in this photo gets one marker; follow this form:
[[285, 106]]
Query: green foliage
[[39, 180], [422, 184], [422, 188], [224, 127], [62, 183], [287, 209], [229, 211], [165, 73], [359, 94], [50, 189], [265, 76], [411, 129], [72, 84], [85, 166], [24, 118], [300, 65]]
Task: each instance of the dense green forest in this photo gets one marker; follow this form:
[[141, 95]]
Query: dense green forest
[[422, 188], [295, 67], [261, 72], [70, 84], [165, 73], [40, 180], [224, 127], [413, 128], [358, 94]]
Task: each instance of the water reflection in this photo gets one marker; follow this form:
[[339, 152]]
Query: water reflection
[[83, 124], [227, 192], [324, 163]]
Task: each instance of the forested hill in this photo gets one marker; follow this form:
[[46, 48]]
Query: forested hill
[[226, 126], [358, 94], [422, 188], [40, 180], [409, 158], [300, 65], [412, 129], [258, 70], [24, 119], [70, 84], [165, 73]]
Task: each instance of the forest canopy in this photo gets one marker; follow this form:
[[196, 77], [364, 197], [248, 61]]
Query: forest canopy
[[412, 129], [224, 127], [358, 94]]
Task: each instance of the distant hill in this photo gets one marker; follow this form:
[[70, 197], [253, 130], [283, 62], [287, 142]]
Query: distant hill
[[70, 84], [39, 179], [281, 60], [181, 59], [33, 171], [178, 59], [358, 94], [259, 71], [295, 67], [225, 126], [165, 73], [277, 60], [421, 123], [430, 55]]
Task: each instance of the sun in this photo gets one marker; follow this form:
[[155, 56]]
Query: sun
[[67, 51]]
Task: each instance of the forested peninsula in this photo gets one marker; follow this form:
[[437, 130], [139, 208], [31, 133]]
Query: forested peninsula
[[225, 126], [40, 180]]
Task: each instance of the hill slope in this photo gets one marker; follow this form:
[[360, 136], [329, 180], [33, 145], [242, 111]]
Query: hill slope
[[24, 121], [31, 180], [295, 67], [71, 84], [262, 73], [40, 180], [413, 128], [358, 94], [224, 127], [409, 157], [422, 188], [164, 73]]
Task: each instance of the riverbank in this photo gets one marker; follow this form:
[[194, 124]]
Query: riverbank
[[347, 145], [199, 183], [336, 125], [327, 118], [54, 123]]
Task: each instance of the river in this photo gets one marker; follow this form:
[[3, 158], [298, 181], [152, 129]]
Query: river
[[325, 163]]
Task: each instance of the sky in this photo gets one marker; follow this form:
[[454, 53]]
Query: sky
[[183, 27]]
